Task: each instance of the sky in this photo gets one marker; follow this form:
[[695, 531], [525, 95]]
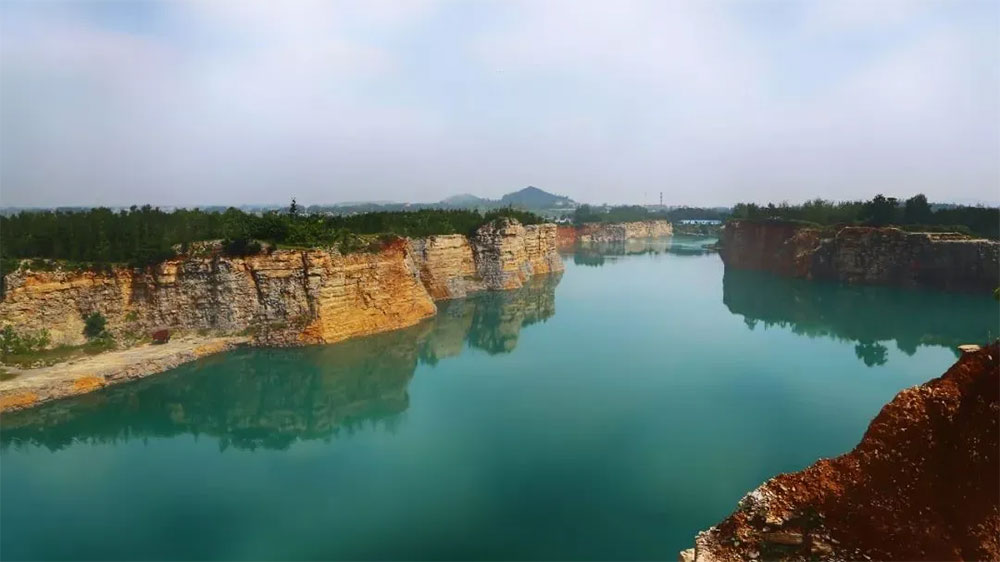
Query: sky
[[215, 102]]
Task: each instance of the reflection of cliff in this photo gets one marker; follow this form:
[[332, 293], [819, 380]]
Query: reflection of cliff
[[490, 321], [866, 315], [270, 398]]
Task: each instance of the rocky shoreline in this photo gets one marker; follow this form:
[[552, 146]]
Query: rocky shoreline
[[33, 387], [921, 485]]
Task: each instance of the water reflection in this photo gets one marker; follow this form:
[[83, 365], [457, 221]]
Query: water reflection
[[868, 316], [599, 253], [269, 398]]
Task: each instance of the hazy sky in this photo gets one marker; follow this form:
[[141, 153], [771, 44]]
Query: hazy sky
[[215, 102]]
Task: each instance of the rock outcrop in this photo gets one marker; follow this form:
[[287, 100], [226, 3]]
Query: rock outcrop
[[284, 297], [507, 253], [921, 485], [620, 232], [865, 255], [447, 266], [566, 237]]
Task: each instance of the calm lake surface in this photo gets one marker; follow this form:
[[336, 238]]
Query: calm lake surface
[[608, 413]]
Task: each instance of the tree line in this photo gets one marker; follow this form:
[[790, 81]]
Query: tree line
[[914, 213], [142, 236], [631, 213]]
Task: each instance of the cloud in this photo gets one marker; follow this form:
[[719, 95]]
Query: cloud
[[188, 102]]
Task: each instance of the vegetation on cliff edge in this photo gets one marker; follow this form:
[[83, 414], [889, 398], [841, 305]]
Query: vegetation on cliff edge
[[141, 236], [914, 214]]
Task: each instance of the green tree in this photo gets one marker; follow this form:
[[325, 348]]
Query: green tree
[[916, 210], [881, 210]]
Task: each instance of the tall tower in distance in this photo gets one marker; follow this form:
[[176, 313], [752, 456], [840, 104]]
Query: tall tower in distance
[[661, 198]]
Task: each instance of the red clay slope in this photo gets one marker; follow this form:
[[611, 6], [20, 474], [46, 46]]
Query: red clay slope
[[923, 484]]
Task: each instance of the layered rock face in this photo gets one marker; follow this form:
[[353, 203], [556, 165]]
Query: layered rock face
[[866, 255], [286, 297], [507, 253], [921, 485], [447, 266], [566, 237], [620, 232]]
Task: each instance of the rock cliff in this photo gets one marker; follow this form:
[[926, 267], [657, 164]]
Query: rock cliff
[[284, 297], [620, 232], [507, 253], [447, 266], [921, 485], [865, 255]]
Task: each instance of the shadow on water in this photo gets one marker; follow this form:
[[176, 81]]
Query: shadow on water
[[868, 316], [269, 398], [600, 253]]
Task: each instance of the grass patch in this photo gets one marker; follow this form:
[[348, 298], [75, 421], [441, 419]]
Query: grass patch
[[46, 357]]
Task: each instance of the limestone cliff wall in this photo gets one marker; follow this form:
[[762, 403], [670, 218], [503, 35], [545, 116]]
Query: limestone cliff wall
[[507, 253], [566, 236], [866, 255], [284, 297], [619, 232], [447, 265], [921, 485]]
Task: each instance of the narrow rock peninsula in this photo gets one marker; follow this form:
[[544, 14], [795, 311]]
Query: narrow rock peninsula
[[863, 255], [921, 485], [285, 297]]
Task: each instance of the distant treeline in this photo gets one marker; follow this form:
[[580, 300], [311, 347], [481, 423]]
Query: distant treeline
[[631, 213], [142, 236], [914, 213]]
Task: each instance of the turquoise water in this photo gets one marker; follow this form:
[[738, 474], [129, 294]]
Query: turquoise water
[[610, 413]]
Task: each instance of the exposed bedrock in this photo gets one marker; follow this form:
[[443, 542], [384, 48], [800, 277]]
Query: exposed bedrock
[[921, 485], [619, 232], [864, 255], [286, 297]]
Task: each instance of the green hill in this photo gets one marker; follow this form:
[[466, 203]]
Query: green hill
[[533, 198]]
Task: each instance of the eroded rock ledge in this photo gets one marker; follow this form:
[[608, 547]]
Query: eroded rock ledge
[[285, 297], [864, 255], [921, 485]]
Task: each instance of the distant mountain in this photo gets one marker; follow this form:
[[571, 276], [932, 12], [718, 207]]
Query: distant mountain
[[533, 198], [466, 200]]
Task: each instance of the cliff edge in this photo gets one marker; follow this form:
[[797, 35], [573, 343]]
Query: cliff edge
[[921, 485], [863, 254]]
